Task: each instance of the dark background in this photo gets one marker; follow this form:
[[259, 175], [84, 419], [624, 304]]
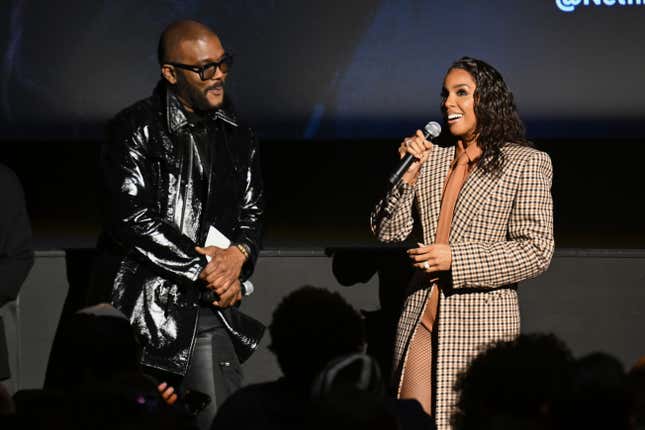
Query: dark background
[[320, 193], [331, 87], [326, 69]]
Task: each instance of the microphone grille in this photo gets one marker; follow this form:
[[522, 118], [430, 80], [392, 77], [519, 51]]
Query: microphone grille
[[433, 129]]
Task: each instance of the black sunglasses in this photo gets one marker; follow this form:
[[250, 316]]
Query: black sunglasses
[[207, 71]]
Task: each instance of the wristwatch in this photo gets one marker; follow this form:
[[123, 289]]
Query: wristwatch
[[244, 249]]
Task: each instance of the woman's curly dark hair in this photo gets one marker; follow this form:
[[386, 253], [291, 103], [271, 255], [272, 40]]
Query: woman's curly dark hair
[[498, 122]]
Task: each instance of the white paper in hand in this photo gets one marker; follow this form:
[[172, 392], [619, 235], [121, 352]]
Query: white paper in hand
[[216, 238]]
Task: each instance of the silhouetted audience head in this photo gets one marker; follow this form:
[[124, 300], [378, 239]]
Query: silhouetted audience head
[[599, 394], [310, 327], [128, 401], [636, 389], [100, 383], [514, 384], [125, 402], [349, 394], [356, 372], [98, 343]]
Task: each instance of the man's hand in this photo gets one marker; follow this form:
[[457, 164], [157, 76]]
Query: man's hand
[[222, 273], [231, 296], [224, 268], [431, 258]]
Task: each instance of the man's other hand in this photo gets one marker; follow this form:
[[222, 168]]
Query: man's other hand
[[222, 273], [230, 297]]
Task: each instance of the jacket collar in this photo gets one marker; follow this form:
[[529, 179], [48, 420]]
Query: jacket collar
[[176, 116]]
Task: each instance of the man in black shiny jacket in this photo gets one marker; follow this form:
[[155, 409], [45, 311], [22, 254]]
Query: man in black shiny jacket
[[174, 165]]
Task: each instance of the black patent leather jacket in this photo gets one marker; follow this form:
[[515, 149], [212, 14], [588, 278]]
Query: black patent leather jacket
[[160, 198]]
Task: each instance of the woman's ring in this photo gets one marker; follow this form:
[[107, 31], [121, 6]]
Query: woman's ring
[[426, 265]]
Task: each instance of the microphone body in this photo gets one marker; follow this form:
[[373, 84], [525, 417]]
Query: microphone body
[[431, 130]]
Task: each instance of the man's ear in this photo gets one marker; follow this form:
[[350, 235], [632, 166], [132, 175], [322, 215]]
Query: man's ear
[[169, 74]]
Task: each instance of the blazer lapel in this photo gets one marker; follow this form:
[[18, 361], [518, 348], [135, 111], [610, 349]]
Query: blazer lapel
[[471, 197], [433, 179]]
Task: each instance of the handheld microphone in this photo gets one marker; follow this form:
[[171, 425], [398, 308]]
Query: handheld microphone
[[431, 130]]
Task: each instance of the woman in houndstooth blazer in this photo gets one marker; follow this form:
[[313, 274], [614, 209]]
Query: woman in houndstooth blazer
[[501, 230]]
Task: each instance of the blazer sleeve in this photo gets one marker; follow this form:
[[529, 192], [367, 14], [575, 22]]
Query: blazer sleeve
[[132, 219], [391, 220], [529, 246]]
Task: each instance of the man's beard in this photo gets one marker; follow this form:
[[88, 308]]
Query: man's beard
[[197, 97]]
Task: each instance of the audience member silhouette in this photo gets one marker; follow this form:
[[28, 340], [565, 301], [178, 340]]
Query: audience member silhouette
[[599, 398], [318, 339], [98, 344], [351, 268], [531, 382], [521, 383], [310, 327], [636, 392], [100, 382], [349, 394]]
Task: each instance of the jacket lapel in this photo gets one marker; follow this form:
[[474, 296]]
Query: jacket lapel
[[433, 178], [471, 198]]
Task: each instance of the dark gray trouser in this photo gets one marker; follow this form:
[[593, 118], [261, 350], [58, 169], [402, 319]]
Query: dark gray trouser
[[214, 369]]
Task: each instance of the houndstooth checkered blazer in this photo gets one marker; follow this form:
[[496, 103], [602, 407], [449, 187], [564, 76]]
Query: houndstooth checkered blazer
[[501, 234]]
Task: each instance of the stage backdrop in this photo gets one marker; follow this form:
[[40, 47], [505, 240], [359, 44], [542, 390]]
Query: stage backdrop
[[328, 69]]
